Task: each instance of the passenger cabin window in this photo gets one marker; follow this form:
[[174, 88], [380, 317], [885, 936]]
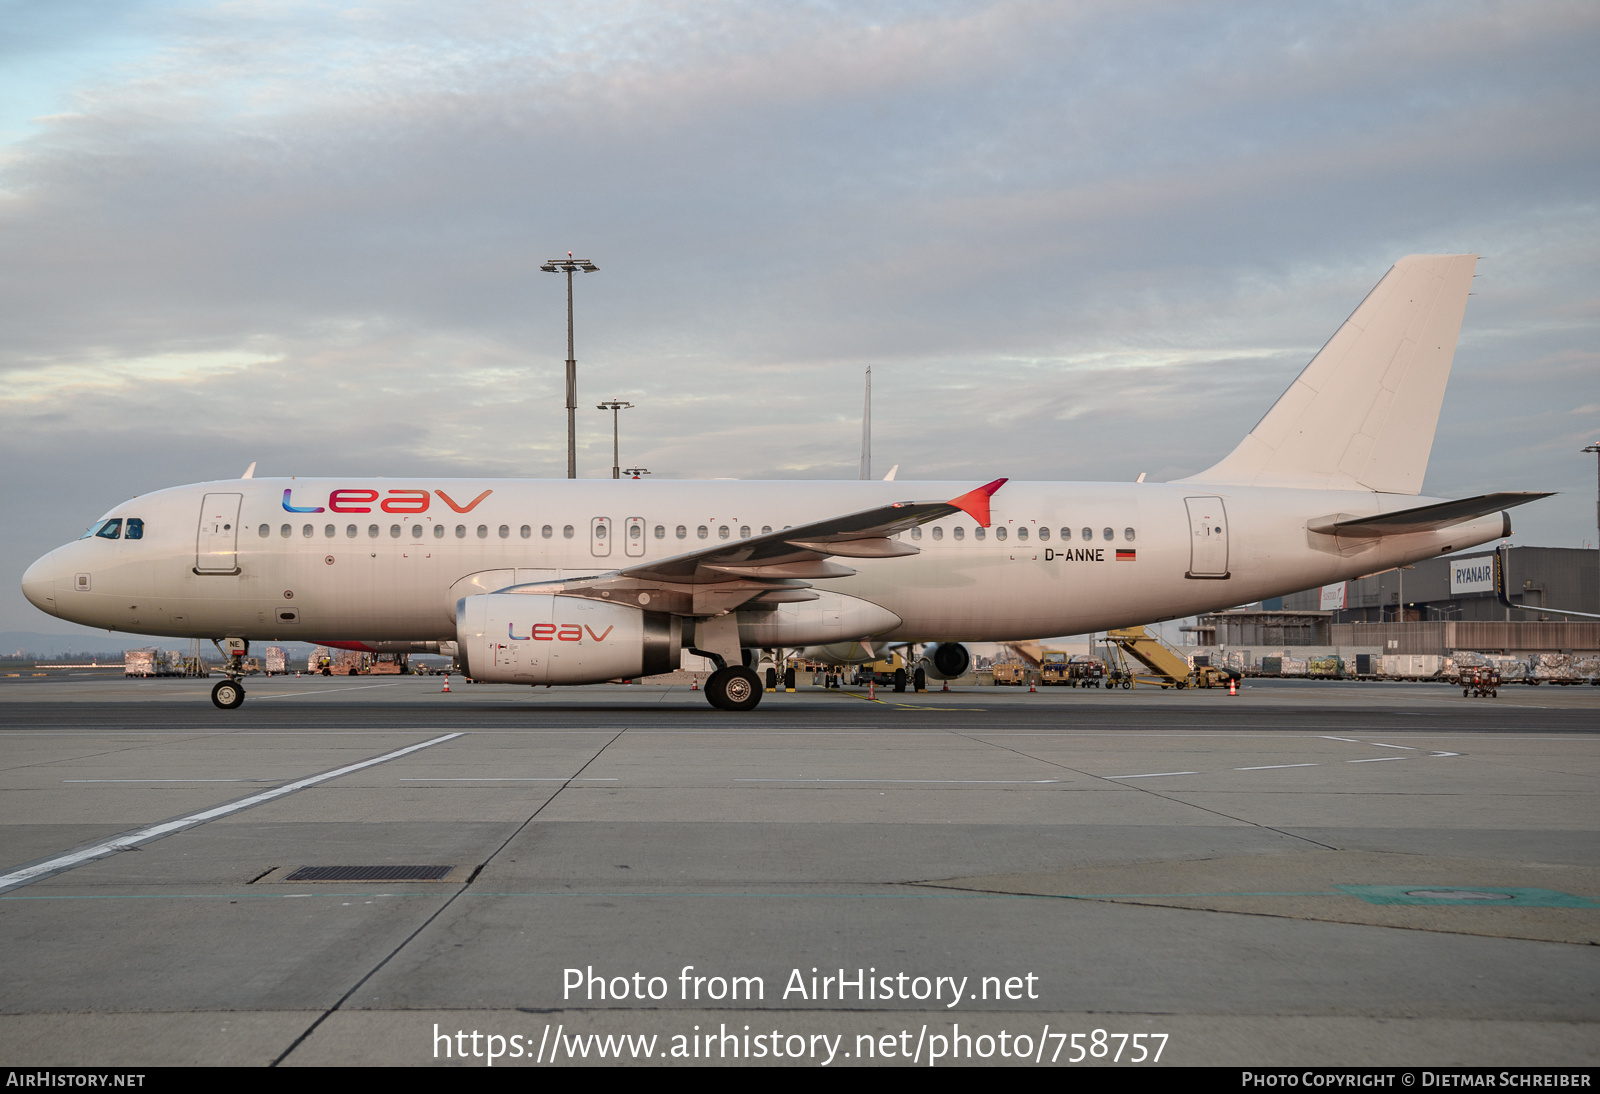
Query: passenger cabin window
[[916, 531], [394, 531], [1066, 533], [416, 531], [461, 531], [722, 531], [1000, 532], [372, 531], [661, 531], [766, 529], [959, 532], [307, 532], [1044, 533], [547, 531], [635, 532], [1127, 534], [328, 531], [438, 531], [683, 533], [285, 531], [1109, 534], [744, 531], [266, 530], [1022, 533], [483, 531], [526, 531], [350, 531], [566, 531], [979, 533], [505, 531], [702, 531], [938, 532], [1088, 535]]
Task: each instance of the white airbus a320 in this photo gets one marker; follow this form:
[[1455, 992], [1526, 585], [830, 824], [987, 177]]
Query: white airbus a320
[[582, 581]]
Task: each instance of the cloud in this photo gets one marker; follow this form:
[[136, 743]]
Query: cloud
[[1074, 241]]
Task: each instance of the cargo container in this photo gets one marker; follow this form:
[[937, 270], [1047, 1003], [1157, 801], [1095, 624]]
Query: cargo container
[[275, 661]]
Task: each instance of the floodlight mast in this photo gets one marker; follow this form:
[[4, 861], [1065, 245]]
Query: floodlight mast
[[614, 405], [569, 266]]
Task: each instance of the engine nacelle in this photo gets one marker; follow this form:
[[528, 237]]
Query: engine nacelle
[[947, 660], [519, 638], [832, 618]]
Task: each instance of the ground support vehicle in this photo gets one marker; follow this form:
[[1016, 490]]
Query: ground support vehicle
[[1479, 683]]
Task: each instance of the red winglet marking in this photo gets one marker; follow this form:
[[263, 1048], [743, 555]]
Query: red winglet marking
[[975, 503]]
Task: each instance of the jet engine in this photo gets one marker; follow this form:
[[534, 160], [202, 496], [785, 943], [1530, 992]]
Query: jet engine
[[947, 660], [520, 638]]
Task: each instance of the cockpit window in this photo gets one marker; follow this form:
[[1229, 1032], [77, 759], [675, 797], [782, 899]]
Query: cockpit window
[[135, 529], [105, 529]]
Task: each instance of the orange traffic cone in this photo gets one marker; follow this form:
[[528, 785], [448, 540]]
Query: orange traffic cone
[[1031, 687], [694, 682], [946, 686], [446, 689], [1233, 686], [872, 689]]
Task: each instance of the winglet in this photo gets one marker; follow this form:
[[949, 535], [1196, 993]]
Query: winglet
[[975, 503]]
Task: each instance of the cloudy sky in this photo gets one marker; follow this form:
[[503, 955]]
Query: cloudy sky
[[1073, 240]]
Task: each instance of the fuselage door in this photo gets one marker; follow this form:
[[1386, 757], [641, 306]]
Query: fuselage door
[[1208, 537], [600, 537], [216, 549], [634, 544]]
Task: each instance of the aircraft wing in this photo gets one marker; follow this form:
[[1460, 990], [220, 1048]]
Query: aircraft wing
[[1425, 518], [774, 568]]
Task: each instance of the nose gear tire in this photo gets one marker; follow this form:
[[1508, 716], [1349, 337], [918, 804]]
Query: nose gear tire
[[228, 695]]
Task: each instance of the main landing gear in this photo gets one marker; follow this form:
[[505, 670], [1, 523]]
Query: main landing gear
[[734, 689], [228, 694]]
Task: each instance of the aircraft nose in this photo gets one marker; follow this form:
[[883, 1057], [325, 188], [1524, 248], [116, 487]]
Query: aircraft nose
[[39, 584]]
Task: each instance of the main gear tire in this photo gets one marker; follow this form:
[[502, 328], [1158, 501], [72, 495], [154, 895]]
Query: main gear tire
[[734, 689]]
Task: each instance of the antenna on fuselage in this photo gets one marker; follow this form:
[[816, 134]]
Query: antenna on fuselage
[[866, 429]]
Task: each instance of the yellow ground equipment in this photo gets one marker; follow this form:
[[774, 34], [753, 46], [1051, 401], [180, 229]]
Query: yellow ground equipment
[[1168, 668], [1009, 673]]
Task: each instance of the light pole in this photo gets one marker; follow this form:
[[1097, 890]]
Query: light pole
[[570, 266], [614, 406]]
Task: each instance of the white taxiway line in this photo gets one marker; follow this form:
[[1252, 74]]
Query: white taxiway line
[[122, 842], [1375, 760], [912, 782], [1380, 744], [1150, 775], [498, 779], [1274, 767]]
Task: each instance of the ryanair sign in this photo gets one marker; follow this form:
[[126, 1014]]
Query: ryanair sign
[[1472, 575]]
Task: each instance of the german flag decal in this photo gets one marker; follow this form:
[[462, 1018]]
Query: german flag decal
[[1125, 556]]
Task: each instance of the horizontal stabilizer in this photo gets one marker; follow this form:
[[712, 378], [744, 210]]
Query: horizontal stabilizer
[[1425, 518]]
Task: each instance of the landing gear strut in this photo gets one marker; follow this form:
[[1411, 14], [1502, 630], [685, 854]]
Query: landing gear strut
[[229, 694], [733, 689]]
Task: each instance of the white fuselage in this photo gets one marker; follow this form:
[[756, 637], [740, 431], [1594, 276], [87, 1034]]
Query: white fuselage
[[378, 559]]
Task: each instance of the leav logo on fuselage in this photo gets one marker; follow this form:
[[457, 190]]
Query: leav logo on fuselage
[[396, 501]]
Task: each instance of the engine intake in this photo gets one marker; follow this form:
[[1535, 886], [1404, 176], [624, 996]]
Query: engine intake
[[519, 638], [948, 660]]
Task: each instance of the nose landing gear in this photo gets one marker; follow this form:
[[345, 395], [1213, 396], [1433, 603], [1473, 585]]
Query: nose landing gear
[[229, 695]]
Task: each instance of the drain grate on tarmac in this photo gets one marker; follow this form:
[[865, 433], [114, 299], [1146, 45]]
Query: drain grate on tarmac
[[295, 875]]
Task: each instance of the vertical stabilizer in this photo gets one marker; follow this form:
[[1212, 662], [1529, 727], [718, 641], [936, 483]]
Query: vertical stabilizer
[[1362, 414]]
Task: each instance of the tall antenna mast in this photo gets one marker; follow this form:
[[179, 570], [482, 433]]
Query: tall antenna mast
[[866, 430]]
